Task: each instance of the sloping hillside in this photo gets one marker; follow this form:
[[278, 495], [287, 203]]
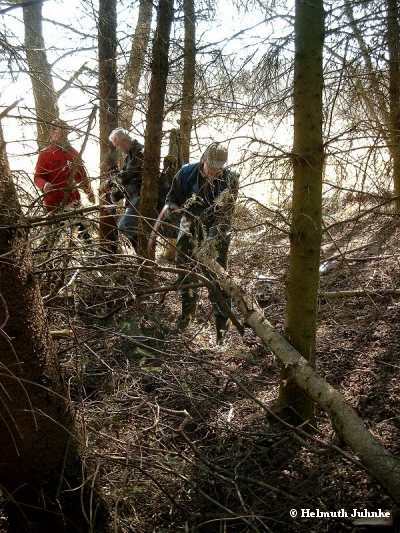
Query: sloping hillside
[[179, 428]]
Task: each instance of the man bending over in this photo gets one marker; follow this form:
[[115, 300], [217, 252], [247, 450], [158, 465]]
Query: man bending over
[[206, 193]]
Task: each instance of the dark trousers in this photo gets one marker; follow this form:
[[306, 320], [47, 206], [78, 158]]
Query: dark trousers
[[83, 232], [128, 224], [220, 301]]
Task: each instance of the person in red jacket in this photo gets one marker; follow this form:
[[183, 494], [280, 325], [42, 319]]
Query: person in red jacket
[[60, 171]]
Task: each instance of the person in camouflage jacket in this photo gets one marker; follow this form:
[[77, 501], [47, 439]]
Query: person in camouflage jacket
[[206, 193]]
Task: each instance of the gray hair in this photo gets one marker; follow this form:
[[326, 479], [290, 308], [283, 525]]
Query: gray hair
[[120, 133]]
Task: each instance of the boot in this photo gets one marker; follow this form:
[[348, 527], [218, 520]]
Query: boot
[[183, 322], [134, 243], [187, 315], [83, 233], [222, 327]]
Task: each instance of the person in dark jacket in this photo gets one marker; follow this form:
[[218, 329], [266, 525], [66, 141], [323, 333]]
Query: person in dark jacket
[[205, 193], [126, 183]]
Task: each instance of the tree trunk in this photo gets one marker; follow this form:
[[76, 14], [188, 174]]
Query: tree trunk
[[39, 72], [189, 75], [175, 147], [107, 44], [140, 43], [40, 462], [154, 122], [380, 464], [373, 81], [375, 99], [303, 275], [393, 36]]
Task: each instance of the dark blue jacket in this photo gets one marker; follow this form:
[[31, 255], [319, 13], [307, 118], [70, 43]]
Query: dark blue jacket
[[130, 176], [189, 181]]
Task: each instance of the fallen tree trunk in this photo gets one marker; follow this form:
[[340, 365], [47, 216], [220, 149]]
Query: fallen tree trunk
[[342, 254], [335, 295], [349, 426]]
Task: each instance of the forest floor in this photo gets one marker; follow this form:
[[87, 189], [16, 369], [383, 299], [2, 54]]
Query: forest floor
[[177, 427]]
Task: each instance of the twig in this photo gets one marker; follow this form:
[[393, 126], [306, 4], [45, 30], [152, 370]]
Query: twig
[[10, 107], [69, 82], [22, 4]]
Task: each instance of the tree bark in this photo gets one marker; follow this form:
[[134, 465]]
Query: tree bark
[[305, 241], [154, 123], [393, 40], [40, 461], [107, 46], [140, 44], [373, 81], [40, 73], [380, 464], [174, 147], [189, 75]]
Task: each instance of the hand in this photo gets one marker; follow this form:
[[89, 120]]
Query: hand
[[109, 183], [104, 188], [49, 187]]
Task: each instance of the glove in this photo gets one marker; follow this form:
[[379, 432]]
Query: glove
[[115, 188], [91, 197], [194, 205], [116, 194]]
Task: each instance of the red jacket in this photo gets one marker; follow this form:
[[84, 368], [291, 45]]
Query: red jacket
[[54, 166]]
